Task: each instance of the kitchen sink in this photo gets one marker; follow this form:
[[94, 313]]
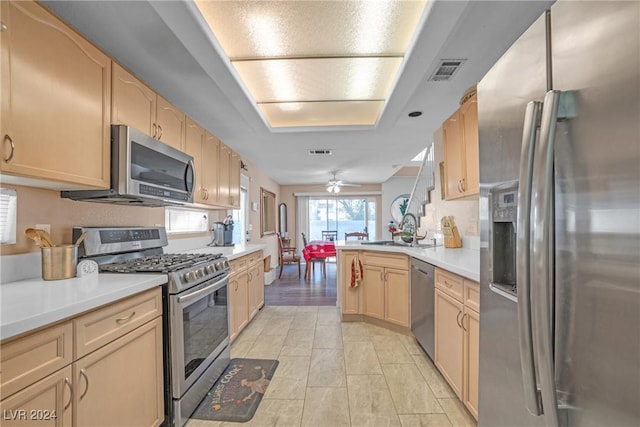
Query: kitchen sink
[[394, 243]]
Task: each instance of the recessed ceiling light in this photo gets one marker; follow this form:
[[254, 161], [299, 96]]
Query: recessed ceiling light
[[415, 114], [320, 63]]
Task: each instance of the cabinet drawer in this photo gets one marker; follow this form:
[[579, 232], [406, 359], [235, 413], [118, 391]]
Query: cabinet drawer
[[100, 327], [254, 257], [450, 284], [28, 359], [238, 264], [472, 295], [386, 259]]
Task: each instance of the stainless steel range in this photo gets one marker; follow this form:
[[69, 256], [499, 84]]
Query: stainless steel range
[[196, 321]]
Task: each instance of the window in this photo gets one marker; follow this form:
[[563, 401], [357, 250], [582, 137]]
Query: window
[[241, 216], [181, 220], [347, 215]]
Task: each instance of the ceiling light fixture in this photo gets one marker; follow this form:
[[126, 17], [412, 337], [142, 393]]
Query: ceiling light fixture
[[330, 63], [333, 188]]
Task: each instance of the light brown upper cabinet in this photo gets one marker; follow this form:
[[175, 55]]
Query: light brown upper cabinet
[[136, 104], [234, 181], [204, 148], [53, 111], [224, 175], [461, 151]]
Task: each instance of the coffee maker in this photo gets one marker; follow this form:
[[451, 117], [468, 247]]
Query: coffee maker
[[223, 232]]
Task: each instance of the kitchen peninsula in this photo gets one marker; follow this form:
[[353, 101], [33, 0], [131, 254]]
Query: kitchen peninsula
[[375, 285]]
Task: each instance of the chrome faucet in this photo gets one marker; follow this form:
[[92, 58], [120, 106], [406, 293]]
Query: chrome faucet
[[414, 237]]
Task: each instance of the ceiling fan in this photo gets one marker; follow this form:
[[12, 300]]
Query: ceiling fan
[[333, 186]]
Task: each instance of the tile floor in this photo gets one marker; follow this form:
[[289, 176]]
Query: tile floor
[[342, 374]]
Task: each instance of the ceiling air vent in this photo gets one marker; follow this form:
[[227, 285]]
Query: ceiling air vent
[[320, 152], [446, 69]]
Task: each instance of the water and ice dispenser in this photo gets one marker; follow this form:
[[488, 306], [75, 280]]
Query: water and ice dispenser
[[503, 225]]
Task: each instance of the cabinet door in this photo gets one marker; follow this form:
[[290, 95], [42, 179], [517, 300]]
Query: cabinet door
[[449, 340], [397, 296], [239, 307], [56, 93], [350, 296], [471, 324], [234, 181], [45, 403], [373, 291], [469, 119], [194, 145], [107, 380], [209, 169], [170, 123], [134, 103], [453, 155], [224, 174], [256, 289]]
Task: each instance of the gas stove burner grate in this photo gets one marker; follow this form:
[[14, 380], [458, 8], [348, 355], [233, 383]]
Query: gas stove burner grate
[[163, 263]]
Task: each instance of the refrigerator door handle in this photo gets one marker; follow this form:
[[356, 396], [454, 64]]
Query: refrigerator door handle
[[557, 106], [523, 256]]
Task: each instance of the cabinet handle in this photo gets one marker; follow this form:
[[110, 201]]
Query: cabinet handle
[[3, 27], [381, 276], [205, 194], [67, 381], [160, 129], [125, 319], [83, 373], [458, 319], [447, 284], [155, 130], [13, 148], [462, 321], [459, 186], [386, 276], [463, 185]]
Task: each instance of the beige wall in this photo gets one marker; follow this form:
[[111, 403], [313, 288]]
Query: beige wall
[[39, 206], [258, 179], [465, 212], [287, 196]]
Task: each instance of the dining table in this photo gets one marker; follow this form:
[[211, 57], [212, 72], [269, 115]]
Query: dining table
[[318, 250]]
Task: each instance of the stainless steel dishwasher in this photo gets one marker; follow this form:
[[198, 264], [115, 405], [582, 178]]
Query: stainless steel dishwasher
[[423, 304]]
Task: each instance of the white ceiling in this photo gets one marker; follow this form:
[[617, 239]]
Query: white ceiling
[[169, 46]]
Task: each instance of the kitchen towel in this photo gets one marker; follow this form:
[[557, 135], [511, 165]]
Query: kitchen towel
[[356, 272]]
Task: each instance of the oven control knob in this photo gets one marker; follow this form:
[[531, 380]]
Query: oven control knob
[[226, 264], [209, 269], [201, 273], [219, 266], [190, 276]]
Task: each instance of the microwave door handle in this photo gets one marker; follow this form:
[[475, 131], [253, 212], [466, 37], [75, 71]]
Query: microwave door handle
[[191, 169], [200, 292], [523, 257]]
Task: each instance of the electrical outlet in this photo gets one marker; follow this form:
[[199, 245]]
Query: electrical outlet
[[45, 227]]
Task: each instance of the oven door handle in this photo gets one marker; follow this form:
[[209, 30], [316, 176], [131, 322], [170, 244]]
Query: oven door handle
[[205, 290]]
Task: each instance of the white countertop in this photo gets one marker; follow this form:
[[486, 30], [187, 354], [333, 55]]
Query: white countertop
[[462, 261], [29, 304], [231, 252]]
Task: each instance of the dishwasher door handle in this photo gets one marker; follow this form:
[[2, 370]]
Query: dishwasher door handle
[[422, 271]]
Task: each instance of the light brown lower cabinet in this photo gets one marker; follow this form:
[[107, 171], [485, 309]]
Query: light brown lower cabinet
[[118, 383], [113, 386], [45, 403], [350, 296], [246, 291], [239, 303], [383, 292], [457, 335]]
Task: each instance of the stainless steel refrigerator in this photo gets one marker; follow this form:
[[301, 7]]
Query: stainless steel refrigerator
[[559, 124]]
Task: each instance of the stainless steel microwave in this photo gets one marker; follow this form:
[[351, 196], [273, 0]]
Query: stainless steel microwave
[[144, 172]]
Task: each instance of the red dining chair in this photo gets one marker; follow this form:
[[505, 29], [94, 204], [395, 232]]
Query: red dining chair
[[312, 262]]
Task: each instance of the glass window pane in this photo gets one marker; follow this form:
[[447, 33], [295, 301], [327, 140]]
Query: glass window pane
[[371, 219], [317, 218]]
